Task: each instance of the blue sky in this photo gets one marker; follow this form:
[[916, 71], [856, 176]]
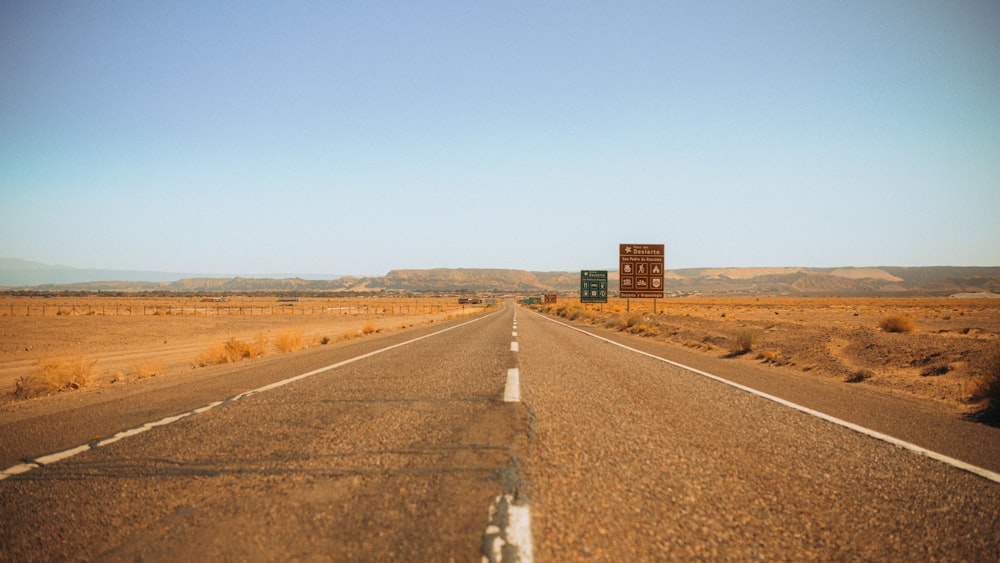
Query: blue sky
[[358, 137]]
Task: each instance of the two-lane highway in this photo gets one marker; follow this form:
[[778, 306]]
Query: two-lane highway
[[434, 445]]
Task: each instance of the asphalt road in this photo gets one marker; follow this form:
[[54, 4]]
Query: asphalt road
[[403, 447]]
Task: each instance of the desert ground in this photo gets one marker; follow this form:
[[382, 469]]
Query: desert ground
[[54, 345], [944, 350]]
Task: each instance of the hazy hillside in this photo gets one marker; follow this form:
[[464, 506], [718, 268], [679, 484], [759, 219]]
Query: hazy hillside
[[944, 280], [20, 273], [443, 279]]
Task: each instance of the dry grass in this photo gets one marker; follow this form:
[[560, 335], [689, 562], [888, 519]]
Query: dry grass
[[55, 374], [897, 323], [626, 320], [742, 342], [147, 368], [231, 351], [68, 372], [986, 387], [369, 328], [289, 340], [125, 333], [771, 357], [857, 376], [645, 330], [939, 360]]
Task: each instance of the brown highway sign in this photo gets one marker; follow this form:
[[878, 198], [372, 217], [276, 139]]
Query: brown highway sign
[[640, 270]]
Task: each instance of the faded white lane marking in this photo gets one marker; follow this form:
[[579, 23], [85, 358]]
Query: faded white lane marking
[[52, 458], [956, 463], [512, 388], [514, 333], [18, 469], [513, 346], [28, 465], [509, 527]]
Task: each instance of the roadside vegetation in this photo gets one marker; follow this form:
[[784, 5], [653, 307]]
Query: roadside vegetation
[[59, 343], [289, 340], [898, 323], [232, 350], [742, 342], [56, 374], [986, 387], [953, 357]]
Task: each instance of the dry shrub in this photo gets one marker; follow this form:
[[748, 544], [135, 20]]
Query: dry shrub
[[897, 323], [987, 386], [624, 321], [54, 374], [645, 330], [742, 342], [858, 376], [214, 355], [147, 368], [231, 351], [771, 357], [934, 371], [369, 328], [288, 341]]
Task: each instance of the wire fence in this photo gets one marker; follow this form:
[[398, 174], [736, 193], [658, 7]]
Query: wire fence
[[118, 309]]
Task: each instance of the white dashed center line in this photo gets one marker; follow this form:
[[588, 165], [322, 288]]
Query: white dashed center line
[[508, 534], [512, 390]]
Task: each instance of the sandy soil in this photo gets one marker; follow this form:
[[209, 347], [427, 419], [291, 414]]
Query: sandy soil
[[120, 347], [944, 359]]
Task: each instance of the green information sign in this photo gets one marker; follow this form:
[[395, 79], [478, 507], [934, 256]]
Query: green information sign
[[593, 286]]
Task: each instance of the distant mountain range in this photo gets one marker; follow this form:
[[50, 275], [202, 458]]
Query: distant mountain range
[[938, 280], [24, 273]]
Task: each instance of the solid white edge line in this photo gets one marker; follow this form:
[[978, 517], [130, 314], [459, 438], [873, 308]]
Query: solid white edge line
[[70, 452], [52, 458], [17, 470], [956, 463]]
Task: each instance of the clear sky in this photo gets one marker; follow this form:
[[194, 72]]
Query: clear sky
[[338, 137]]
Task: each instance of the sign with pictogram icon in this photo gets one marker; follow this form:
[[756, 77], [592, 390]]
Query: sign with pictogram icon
[[640, 270], [593, 286]]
